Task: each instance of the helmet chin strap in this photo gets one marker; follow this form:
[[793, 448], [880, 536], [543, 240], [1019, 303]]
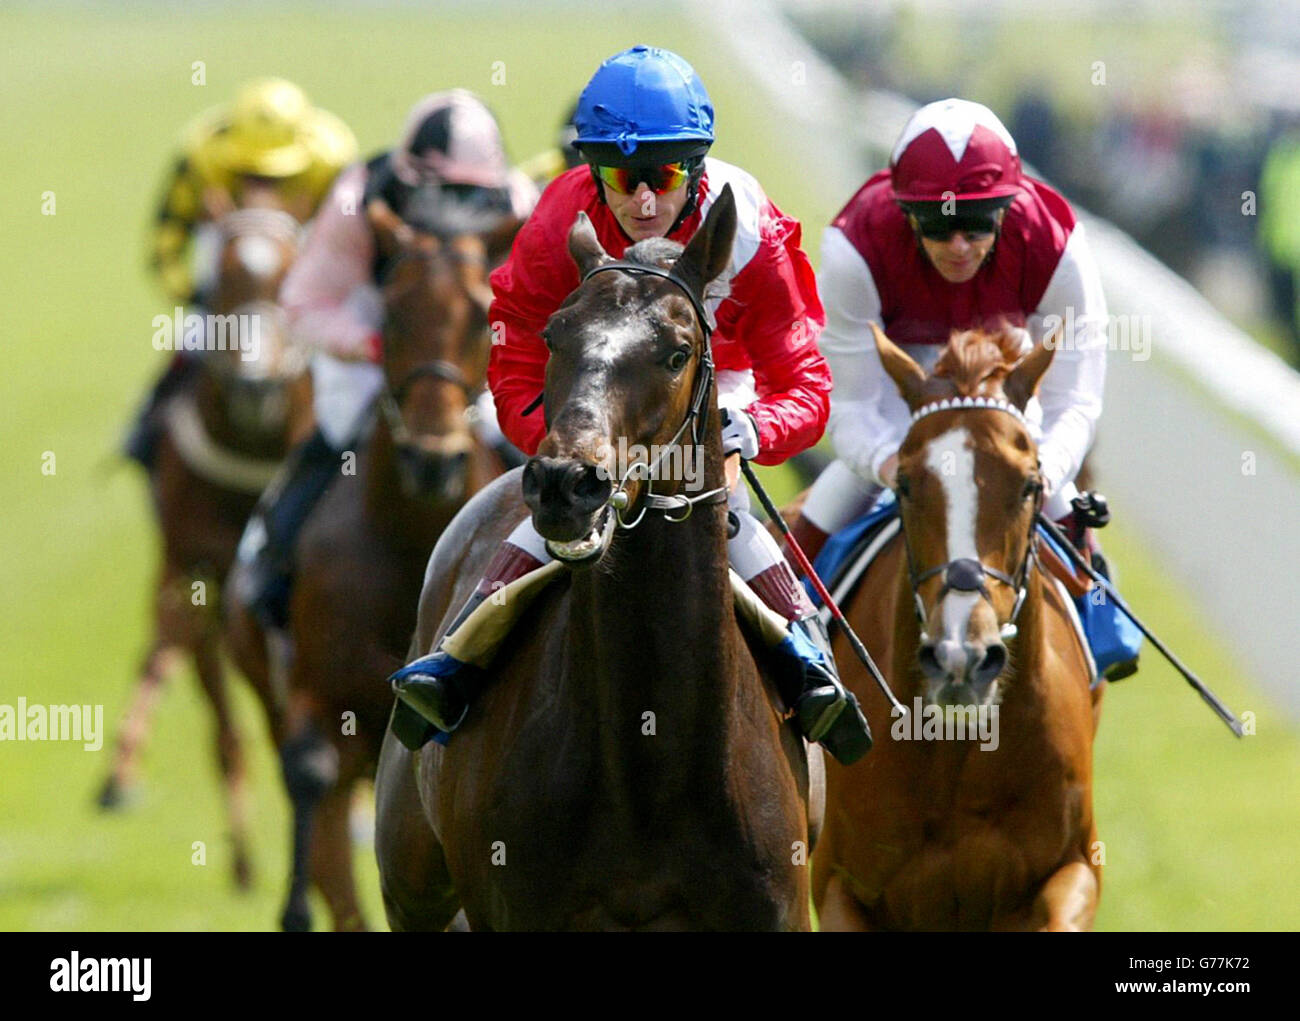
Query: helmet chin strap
[[692, 195]]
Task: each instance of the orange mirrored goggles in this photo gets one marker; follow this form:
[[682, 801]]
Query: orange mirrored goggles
[[660, 178]]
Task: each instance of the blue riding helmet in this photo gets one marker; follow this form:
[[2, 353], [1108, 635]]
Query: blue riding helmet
[[644, 94]]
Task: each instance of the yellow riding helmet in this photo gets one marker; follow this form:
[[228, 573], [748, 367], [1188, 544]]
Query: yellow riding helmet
[[265, 134]]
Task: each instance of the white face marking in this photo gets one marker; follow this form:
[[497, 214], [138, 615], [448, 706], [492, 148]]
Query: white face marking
[[614, 342], [260, 256], [951, 458]]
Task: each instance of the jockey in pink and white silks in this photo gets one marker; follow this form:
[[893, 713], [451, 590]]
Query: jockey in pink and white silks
[[449, 169], [954, 236]]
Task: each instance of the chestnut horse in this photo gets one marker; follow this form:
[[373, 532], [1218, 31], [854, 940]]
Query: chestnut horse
[[361, 555], [225, 435], [628, 765], [937, 828]]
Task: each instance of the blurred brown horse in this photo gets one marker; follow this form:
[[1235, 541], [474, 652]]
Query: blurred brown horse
[[362, 554], [224, 438], [939, 828], [628, 767]]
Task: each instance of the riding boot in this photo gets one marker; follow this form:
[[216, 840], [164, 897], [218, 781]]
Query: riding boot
[[434, 692], [267, 547], [828, 713], [1090, 511], [141, 444]]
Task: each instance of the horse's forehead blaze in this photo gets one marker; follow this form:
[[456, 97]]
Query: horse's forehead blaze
[[950, 457]]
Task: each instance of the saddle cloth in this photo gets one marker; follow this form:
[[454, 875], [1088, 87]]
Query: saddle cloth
[[1108, 636]]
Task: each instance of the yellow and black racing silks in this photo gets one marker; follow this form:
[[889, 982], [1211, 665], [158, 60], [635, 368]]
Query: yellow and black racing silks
[[271, 134]]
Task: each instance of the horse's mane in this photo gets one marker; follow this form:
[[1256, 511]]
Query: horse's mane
[[975, 362], [653, 252]]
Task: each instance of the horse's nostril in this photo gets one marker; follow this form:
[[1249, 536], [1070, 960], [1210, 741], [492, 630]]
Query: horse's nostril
[[589, 489], [929, 662], [532, 483], [990, 665]]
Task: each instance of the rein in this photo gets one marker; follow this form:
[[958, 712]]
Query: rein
[[965, 574], [697, 414]]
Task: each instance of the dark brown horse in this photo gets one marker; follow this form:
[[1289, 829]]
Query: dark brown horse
[[362, 554], [225, 437], [977, 813], [627, 765]]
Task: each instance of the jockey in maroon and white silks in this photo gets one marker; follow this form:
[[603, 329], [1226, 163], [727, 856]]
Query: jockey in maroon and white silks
[[885, 258]]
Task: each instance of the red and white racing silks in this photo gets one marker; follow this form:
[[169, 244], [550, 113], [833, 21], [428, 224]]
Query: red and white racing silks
[[768, 322], [874, 269]]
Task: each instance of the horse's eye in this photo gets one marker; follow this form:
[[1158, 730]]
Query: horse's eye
[[546, 339], [678, 359], [903, 485]]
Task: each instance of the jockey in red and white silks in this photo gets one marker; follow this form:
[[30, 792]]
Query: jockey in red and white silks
[[644, 127], [954, 236]]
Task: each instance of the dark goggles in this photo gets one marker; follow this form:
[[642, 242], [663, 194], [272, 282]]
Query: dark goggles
[[659, 178], [973, 228], [975, 220]]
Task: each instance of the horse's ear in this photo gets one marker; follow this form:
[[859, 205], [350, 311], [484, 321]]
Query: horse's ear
[[584, 246], [709, 251], [1022, 383], [906, 374]]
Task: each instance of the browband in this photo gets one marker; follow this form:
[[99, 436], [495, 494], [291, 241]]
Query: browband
[[959, 403]]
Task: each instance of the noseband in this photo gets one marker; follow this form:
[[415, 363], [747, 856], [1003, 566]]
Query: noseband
[[965, 574], [697, 414], [390, 398]]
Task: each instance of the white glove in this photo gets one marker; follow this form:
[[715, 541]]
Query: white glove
[[739, 433]]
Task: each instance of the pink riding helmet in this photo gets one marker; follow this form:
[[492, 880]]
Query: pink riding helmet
[[453, 138]]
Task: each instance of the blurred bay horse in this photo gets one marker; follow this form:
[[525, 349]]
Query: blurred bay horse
[[224, 437], [361, 556], [628, 765], [947, 826]]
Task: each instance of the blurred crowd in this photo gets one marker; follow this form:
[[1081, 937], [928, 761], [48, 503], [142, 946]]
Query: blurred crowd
[[1214, 197], [1196, 155]]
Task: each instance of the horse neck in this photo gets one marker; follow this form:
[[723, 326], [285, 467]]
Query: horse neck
[[653, 630]]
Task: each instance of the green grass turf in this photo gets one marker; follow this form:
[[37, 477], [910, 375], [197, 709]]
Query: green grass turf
[[1198, 827]]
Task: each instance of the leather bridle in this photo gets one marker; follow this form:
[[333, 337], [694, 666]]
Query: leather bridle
[[965, 574], [675, 508]]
